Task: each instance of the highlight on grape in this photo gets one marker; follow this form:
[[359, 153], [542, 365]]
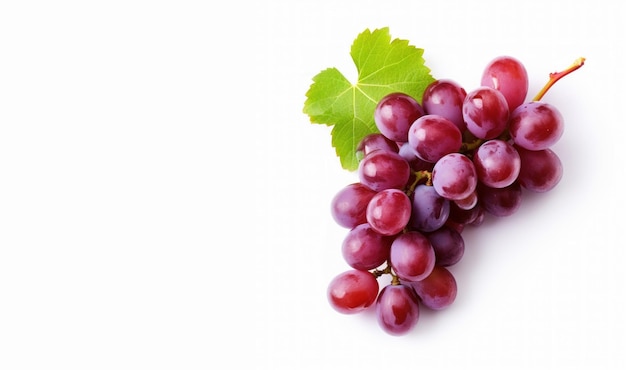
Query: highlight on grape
[[434, 168]]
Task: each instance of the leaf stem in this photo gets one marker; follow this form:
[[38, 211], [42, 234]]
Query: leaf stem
[[555, 76]]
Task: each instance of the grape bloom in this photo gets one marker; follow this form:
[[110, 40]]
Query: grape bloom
[[432, 170]]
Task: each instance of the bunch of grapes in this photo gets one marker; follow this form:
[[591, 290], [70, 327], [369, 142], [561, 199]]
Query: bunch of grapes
[[433, 169]]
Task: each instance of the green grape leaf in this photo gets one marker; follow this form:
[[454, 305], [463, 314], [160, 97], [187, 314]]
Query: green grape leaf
[[384, 66]]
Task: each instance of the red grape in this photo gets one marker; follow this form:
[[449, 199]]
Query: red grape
[[352, 291], [432, 137], [389, 211], [536, 125], [395, 113], [497, 163], [381, 169], [486, 113], [454, 176], [507, 75], [411, 256], [364, 249]]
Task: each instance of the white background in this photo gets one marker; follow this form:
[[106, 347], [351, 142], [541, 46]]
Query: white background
[[164, 202]]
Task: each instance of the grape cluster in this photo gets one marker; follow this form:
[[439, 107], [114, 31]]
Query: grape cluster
[[433, 169]]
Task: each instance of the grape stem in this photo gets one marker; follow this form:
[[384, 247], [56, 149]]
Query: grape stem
[[395, 280], [555, 76], [420, 176], [378, 273], [467, 147]]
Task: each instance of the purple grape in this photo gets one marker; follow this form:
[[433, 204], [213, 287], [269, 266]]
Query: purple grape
[[445, 98], [374, 142], [350, 203], [397, 309], [389, 211], [381, 169], [429, 209], [454, 176], [497, 163], [500, 202], [395, 113], [415, 162], [438, 290], [411, 256], [456, 226], [365, 249], [448, 245], [432, 137], [480, 217], [462, 216], [467, 203]]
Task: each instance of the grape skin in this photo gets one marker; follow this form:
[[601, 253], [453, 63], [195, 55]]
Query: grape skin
[[395, 113], [389, 211], [374, 142], [349, 205], [432, 137], [479, 217], [454, 176], [536, 126], [540, 170], [380, 170], [445, 98], [497, 163], [429, 210], [411, 256], [397, 309], [485, 112], [415, 162], [448, 245], [500, 202], [469, 202], [365, 249], [462, 216], [509, 76], [352, 291], [438, 290]]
